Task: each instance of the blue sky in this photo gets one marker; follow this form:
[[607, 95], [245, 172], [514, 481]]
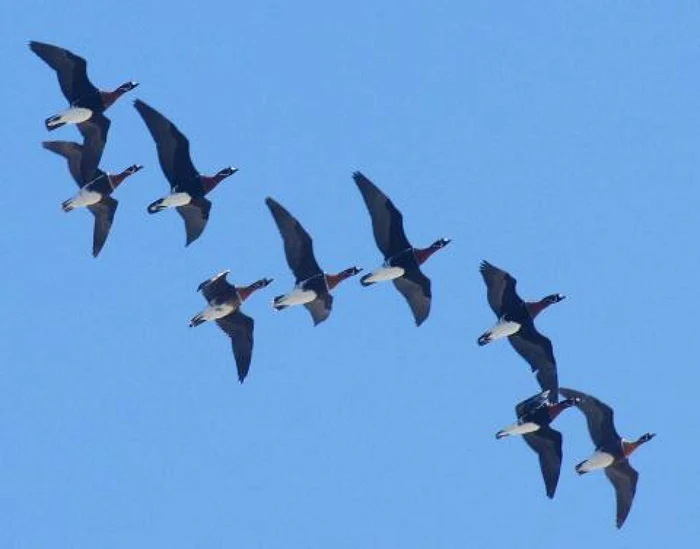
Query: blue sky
[[556, 141]]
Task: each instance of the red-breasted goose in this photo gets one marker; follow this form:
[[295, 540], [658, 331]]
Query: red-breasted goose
[[188, 186], [516, 321], [225, 302], [84, 98], [313, 286], [95, 193], [534, 416], [401, 260], [611, 450]]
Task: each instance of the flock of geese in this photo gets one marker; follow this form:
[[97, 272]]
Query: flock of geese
[[313, 286]]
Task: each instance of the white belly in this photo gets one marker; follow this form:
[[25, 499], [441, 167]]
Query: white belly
[[74, 115], [503, 328], [385, 273], [176, 199], [296, 297], [214, 312], [84, 198], [517, 429], [599, 460]]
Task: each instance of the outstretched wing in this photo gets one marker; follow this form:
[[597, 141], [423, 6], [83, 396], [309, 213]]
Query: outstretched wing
[[94, 132], [104, 212], [531, 404], [387, 221], [320, 308], [599, 416], [415, 287], [196, 215], [298, 246], [216, 286], [624, 478], [239, 328], [70, 68], [547, 443], [73, 152], [500, 289], [537, 350], [173, 151]]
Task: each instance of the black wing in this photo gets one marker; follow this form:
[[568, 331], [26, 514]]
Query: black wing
[[216, 286], [70, 68], [537, 350], [500, 289], [239, 328], [599, 416], [320, 308], [298, 246], [531, 404], [415, 287], [547, 443], [73, 152], [196, 215], [173, 151], [387, 221], [624, 478], [94, 132], [104, 216]]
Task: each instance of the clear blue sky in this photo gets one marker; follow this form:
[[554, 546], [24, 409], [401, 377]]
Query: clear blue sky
[[557, 141]]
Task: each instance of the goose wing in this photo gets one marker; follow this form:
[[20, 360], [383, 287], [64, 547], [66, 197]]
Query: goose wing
[[94, 132], [72, 152], [599, 416], [537, 350], [196, 215], [546, 442], [173, 151], [500, 287], [624, 479], [103, 211], [320, 308], [239, 328], [298, 246], [71, 70], [415, 287], [216, 286], [387, 221]]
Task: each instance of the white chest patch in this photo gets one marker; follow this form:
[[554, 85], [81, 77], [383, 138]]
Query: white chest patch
[[74, 115], [176, 199], [84, 198], [297, 297], [518, 429], [599, 460], [384, 273]]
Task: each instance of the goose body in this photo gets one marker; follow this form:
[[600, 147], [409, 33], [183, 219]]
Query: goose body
[[516, 322], [535, 415], [84, 98], [313, 286], [188, 187], [224, 301], [611, 451], [95, 193], [401, 260]]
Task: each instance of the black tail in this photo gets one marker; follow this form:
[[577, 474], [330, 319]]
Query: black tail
[[364, 282], [155, 207], [50, 126], [276, 305], [484, 339]]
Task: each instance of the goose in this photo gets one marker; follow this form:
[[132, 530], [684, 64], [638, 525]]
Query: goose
[[516, 321], [401, 260], [611, 450], [224, 307], [85, 99], [313, 286], [534, 417], [188, 186]]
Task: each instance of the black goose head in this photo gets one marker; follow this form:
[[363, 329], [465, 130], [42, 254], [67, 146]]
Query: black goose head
[[646, 437], [554, 298], [127, 86], [440, 243]]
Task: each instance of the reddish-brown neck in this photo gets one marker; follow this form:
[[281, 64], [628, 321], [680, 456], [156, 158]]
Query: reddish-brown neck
[[556, 409], [117, 179], [246, 291], [208, 183], [334, 280], [536, 307], [109, 97], [422, 254], [629, 447]]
